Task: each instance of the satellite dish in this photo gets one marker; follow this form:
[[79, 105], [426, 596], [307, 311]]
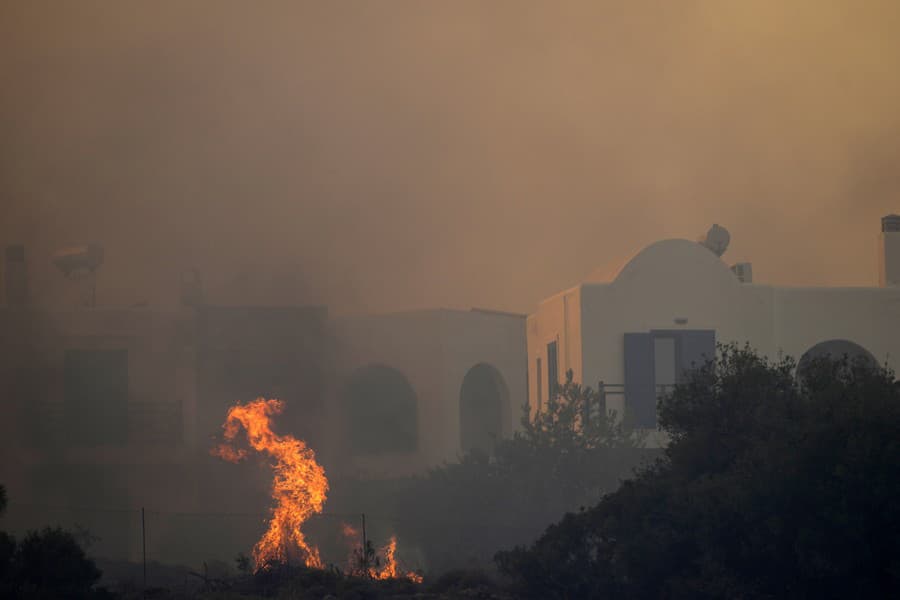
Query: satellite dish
[[716, 240]]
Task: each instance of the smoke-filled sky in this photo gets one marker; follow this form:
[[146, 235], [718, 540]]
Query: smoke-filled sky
[[392, 155]]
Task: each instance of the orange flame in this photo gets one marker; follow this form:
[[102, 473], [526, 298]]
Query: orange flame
[[390, 570], [388, 557], [299, 486]]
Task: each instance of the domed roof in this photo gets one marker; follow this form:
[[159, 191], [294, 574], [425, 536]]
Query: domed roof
[[610, 270], [672, 259]]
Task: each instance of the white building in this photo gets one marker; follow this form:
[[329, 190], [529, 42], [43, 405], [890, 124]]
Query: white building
[[419, 388], [672, 302]]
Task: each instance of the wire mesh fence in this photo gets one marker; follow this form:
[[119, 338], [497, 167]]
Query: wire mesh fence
[[194, 540]]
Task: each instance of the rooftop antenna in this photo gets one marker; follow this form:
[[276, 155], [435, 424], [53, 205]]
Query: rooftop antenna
[[79, 263]]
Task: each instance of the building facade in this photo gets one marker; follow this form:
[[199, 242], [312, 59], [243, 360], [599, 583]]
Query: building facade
[[107, 410], [123, 404], [666, 309], [422, 387]]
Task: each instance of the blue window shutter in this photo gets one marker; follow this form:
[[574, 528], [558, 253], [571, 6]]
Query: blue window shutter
[[640, 383], [552, 370], [697, 347]]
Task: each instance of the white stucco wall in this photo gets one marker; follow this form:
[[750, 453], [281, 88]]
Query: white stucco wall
[[669, 280], [556, 320], [869, 317], [476, 337], [433, 349]]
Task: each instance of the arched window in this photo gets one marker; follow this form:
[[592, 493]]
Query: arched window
[[835, 350], [483, 402], [380, 408]]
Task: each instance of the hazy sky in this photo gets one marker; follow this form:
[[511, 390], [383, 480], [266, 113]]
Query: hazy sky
[[391, 155]]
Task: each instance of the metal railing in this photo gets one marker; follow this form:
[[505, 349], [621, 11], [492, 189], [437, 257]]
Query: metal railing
[[145, 422], [607, 390]]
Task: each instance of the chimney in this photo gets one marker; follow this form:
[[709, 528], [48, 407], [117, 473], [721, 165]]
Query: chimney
[[889, 252], [16, 275]]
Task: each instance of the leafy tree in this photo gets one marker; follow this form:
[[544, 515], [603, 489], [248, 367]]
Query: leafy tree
[[770, 487], [46, 564], [7, 550], [573, 419], [50, 563], [7, 553], [565, 455]]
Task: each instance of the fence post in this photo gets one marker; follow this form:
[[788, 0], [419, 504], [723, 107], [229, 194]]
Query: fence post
[[144, 548], [365, 547]]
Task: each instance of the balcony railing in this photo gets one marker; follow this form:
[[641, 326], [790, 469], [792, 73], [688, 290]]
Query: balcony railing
[[146, 423], [605, 391]]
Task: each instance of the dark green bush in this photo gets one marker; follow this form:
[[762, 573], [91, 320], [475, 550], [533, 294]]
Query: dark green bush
[[771, 487]]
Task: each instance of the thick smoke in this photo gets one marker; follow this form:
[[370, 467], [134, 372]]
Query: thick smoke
[[378, 156]]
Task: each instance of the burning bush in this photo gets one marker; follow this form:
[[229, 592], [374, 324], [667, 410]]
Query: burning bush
[[299, 488]]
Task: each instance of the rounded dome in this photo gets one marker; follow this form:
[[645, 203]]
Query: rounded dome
[[676, 259], [610, 270]]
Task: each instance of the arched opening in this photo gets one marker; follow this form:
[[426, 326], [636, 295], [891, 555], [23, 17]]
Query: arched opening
[[483, 402], [380, 408], [834, 350]]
